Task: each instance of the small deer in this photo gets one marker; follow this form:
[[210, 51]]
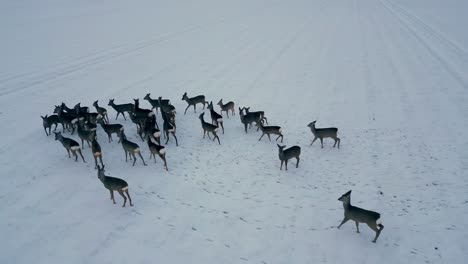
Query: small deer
[[227, 107], [216, 118], [121, 108], [130, 148], [156, 149], [322, 133], [101, 111], [70, 145], [359, 215], [193, 101], [287, 154], [84, 134], [209, 128], [97, 152], [248, 119], [140, 111], [48, 121], [150, 129], [268, 130], [155, 102], [114, 184], [110, 128], [260, 113], [168, 126]]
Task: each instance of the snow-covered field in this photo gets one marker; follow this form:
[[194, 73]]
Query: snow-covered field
[[390, 74]]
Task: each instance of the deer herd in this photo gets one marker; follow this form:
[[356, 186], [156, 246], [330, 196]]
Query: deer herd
[[84, 122]]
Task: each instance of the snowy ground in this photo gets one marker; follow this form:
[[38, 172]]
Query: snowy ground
[[391, 74]]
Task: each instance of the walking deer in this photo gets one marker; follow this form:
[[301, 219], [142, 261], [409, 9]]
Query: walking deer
[[193, 101], [216, 118], [70, 145], [287, 154], [121, 108], [130, 148], [268, 130], [209, 128], [321, 133], [227, 107], [114, 184]]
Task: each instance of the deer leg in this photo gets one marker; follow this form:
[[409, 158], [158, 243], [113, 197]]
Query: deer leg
[[195, 107], [112, 196], [134, 158], [344, 221], [123, 113], [167, 136], [122, 194], [204, 132], [245, 126], [321, 141], [88, 143], [163, 157], [129, 199], [109, 137], [315, 138], [222, 126], [154, 157], [82, 143], [95, 161], [186, 109], [269, 137], [100, 159], [286, 164], [339, 140], [281, 167], [374, 227], [261, 137], [208, 134], [216, 136], [117, 115], [266, 120], [68, 151], [81, 154], [125, 155], [45, 130], [139, 154], [74, 154], [297, 164], [233, 112], [357, 226]]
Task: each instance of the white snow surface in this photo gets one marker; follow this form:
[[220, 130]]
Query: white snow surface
[[390, 74]]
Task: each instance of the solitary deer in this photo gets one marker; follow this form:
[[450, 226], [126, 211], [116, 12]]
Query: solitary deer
[[216, 118], [101, 111], [70, 145], [114, 184], [227, 107], [193, 101], [248, 119], [155, 102], [110, 128], [48, 121], [121, 108], [359, 215], [97, 152], [287, 154], [130, 148], [268, 130], [322, 133], [209, 128], [156, 149]]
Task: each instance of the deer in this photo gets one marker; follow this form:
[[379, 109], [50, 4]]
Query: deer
[[155, 102], [209, 128], [114, 184], [156, 149], [216, 118], [79, 110], [150, 129], [193, 101], [359, 215], [97, 152], [84, 134], [101, 111], [227, 107], [321, 133], [167, 108], [140, 111], [48, 121], [121, 108], [268, 130], [248, 119], [260, 113], [287, 154], [68, 120], [168, 126], [110, 128], [130, 148], [70, 145]]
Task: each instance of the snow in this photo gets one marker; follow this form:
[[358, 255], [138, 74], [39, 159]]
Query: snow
[[390, 74]]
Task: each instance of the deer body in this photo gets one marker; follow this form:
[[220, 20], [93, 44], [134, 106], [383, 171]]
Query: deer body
[[130, 148], [114, 184], [155, 102], [287, 154], [248, 119], [157, 149], [111, 129], [227, 107], [209, 128], [321, 133], [70, 145], [97, 152], [359, 215], [48, 121], [193, 101], [268, 130], [216, 118], [101, 111]]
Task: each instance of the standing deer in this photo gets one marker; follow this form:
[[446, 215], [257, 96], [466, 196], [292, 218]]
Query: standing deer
[[121, 108], [260, 113], [209, 128], [155, 102], [48, 121], [287, 154], [248, 119], [110, 128], [359, 215], [268, 130], [216, 118], [130, 148], [70, 145], [193, 101], [97, 152], [114, 184], [156, 149], [322, 133], [168, 126], [227, 107], [101, 111]]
